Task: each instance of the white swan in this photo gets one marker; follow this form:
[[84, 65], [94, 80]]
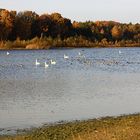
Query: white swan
[[53, 62], [7, 53], [37, 63], [79, 53], [66, 56], [46, 65], [120, 52]]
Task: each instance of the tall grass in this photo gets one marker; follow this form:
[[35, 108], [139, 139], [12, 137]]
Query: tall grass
[[35, 43], [74, 42]]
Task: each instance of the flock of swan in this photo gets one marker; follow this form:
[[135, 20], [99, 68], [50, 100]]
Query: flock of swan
[[52, 62]]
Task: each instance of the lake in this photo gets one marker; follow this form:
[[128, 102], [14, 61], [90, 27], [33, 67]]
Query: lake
[[92, 83]]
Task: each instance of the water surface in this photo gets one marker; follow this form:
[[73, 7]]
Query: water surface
[[97, 83]]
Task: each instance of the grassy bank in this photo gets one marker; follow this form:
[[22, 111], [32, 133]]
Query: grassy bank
[[71, 42], [109, 128]]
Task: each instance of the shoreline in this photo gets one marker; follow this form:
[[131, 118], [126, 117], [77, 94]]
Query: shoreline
[[68, 47], [51, 48], [57, 43], [117, 127]]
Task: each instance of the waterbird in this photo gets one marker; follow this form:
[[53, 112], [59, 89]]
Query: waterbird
[[120, 52], [53, 62], [7, 53], [66, 56], [19, 65], [46, 65], [81, 54], [37, 63]]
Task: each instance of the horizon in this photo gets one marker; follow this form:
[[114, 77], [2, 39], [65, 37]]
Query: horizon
[[123, 11]]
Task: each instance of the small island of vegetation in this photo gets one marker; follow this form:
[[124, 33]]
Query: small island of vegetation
[[28, 30]]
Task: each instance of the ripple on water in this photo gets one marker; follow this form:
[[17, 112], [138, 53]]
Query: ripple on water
[[100, 82]]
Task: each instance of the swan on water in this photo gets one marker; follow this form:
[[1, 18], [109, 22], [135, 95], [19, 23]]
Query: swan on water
[[46, 65], [79, 53], [37, 63], [53, 62], [120, 52], [66, 56], [7, 53]]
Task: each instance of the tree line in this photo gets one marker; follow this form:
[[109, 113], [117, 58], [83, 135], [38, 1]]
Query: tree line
[[27, 25]]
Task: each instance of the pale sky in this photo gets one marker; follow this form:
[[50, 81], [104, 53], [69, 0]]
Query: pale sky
[[81, 10]]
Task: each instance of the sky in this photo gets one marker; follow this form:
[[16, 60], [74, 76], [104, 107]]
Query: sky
[[81, 10]]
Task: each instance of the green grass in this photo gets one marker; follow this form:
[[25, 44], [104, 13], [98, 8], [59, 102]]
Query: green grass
[[109, 128]]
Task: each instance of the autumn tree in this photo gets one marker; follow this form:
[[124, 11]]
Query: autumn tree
[[61, 26], [116, 32], [42, 26], [27, 25], [6, 23], [82, 29], [23, 24]]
